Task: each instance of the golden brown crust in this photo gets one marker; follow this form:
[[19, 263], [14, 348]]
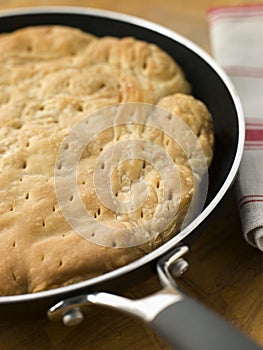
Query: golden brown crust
[[50, 78]]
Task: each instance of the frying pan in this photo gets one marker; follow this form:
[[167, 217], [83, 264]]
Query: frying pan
[[183, 322]]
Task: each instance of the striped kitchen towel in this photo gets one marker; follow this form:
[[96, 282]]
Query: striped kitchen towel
[[236, 34]]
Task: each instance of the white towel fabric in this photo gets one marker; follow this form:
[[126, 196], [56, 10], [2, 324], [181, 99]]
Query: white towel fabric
[[236, 34]]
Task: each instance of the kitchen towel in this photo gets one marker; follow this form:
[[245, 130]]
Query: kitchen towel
[[236, 34]]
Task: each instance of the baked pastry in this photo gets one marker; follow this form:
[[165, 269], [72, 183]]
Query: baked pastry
[[51, 77]]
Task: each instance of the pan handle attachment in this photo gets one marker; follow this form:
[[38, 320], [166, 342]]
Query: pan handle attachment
[[183, 322]]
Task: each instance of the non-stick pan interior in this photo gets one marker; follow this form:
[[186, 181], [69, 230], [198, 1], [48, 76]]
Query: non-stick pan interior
[[206, 85]]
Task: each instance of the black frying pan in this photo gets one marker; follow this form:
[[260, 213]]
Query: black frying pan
[[184, 323]]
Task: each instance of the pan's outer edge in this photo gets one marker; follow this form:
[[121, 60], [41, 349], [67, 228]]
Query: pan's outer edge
[[227, 183]]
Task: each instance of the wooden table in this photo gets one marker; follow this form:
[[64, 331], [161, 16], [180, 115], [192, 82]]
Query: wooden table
[[225, 272]]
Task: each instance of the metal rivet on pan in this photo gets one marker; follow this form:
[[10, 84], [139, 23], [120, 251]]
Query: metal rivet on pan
[[178, 267], [73, 317]]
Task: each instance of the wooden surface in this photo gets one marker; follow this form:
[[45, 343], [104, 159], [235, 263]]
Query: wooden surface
[[225, 273]]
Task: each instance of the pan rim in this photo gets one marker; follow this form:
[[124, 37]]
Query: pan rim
[[166, 247]]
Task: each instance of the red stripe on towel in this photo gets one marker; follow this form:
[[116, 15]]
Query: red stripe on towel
[[251, 195], [235, 8], [254, 148], [249, 10], [244, 71], [250, 201], [254, 135]]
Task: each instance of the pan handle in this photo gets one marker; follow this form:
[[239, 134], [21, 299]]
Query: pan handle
[[183, 322], [189, 325], [186, 323]]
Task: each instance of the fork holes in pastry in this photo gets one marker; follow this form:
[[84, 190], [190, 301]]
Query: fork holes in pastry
[[102, 85], [170, 196], [93, 234], [113, 244], [24, 164], [12, 207], [59, 166], [102, 166], [43, 223], [60, 263], [157, 184], [17, 125], [141, 214], [80, 108], [14, 244], [97, 214], [14, 276], [144, 164], [53, 208], [27, 196], [71, 198], [27, 144], [66, 146], [41, 108], [42, 257]]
